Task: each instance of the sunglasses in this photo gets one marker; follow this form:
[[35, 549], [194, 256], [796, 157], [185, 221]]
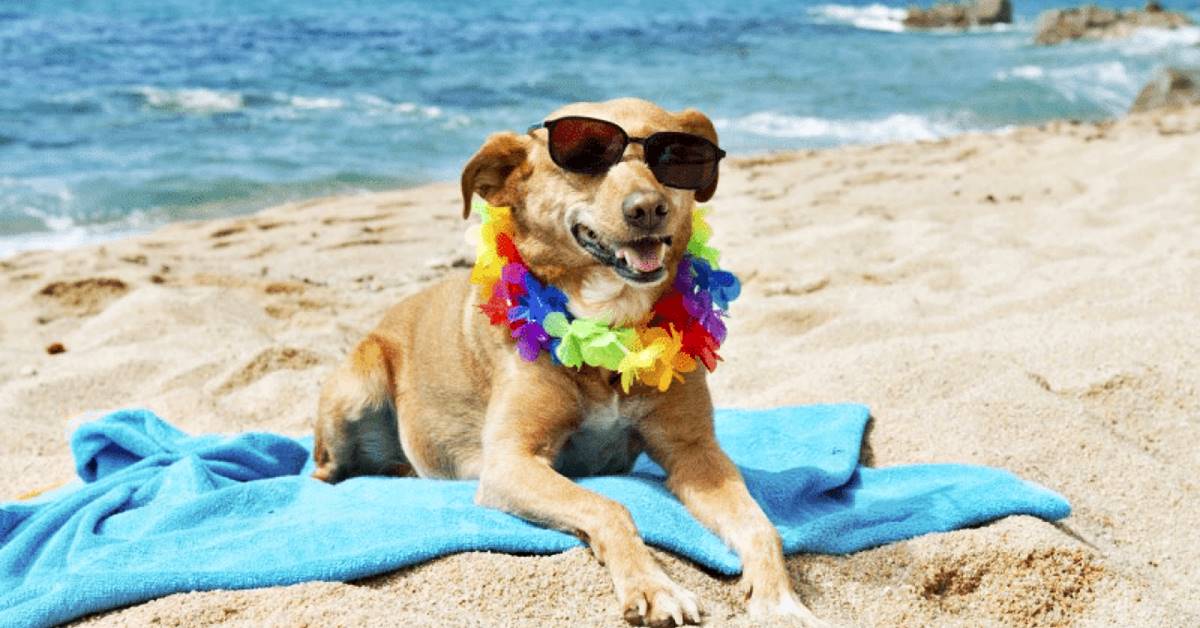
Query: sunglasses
[[592, 146]]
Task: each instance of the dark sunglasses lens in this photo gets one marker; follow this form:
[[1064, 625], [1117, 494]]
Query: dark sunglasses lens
[[588, 146], [681, 160]]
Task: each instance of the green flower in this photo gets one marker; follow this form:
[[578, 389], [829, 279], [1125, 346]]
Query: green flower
[[701, 232], [586, 341]]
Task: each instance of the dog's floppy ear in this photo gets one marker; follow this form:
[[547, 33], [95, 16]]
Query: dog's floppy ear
[[490, 171], [698, 124]]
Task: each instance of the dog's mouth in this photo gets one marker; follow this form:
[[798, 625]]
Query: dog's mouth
[[639, 260]]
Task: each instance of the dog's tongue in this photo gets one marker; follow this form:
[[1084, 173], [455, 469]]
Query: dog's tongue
[[644, 256]]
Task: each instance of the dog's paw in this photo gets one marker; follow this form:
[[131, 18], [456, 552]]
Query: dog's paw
[[654, 600], [784, 606]]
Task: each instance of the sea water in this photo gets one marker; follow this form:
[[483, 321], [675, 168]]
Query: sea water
[[118, 116]]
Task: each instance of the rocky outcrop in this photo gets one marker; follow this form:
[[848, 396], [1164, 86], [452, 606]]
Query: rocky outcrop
[[993, 12], [960, 16], [1093, 22], [1169, 88], [941, 15]]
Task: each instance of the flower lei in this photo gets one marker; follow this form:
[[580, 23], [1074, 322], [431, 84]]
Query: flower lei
[[683, 327]]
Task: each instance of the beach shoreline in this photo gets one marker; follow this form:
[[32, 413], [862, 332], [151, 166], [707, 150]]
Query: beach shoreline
[[1024, 299], [110, 130]]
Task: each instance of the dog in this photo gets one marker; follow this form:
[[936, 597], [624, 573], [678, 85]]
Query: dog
[[438, 392]]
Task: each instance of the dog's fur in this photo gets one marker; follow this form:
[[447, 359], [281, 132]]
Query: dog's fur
[[438, 391]]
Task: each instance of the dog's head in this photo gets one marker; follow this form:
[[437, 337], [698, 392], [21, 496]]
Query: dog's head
[[610, 240]]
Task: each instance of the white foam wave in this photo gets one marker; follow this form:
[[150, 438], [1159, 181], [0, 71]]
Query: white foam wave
[[55, 223], [1149, 41], [457, 121], [1108, 84], [198, 100], [64, 232], [898, 127], [872, 17], [44, 211], [303, 102], [1027, 72], [44, 186], [58, 240], [379, 105], [280, 104]]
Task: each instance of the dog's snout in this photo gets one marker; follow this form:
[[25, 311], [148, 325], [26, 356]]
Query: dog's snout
[[645, 210]]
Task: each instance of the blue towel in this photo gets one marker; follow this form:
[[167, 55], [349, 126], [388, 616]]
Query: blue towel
[[161, 512]]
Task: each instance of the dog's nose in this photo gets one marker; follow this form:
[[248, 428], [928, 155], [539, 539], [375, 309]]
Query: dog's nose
[[645, 210]]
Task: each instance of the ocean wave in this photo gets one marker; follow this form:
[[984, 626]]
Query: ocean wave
[[1026, 72], [81, 103], [872, 17], [884, 18], [1109, 85], [191, 100], [898, 127], [304, 102], [44, 187], [204, 101], [378, 105], [68, 237], [35, 213], [1151, 41], [52, 222]]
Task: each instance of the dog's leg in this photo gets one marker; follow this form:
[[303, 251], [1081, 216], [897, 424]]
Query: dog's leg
[[679, 436], [526, 425], [356, 431]]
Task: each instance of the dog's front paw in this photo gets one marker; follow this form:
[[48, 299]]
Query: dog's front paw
[[654, 600], [783, 606]]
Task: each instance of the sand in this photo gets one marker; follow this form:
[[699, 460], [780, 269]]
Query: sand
[[1028, 300]]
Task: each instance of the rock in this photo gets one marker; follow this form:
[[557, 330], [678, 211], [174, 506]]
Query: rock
[[940, 15], [1092, 22], [1171, 87], [993, 12], [959, 16]]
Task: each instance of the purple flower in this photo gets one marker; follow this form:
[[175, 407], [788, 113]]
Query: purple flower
[[513, 273], [700, 307], [531, 339], [684, 282]]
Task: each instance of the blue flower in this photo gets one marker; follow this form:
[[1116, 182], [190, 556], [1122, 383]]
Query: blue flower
[[539, 300], [723, 285]]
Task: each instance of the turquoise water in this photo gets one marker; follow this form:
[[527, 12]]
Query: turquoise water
[[116, 120]]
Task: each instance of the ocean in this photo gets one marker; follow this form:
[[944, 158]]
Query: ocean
[[117, 117]]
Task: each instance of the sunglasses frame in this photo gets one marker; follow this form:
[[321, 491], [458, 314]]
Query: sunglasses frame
[[549, 126]]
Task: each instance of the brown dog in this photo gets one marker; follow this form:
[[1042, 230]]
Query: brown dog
[[437, 390]]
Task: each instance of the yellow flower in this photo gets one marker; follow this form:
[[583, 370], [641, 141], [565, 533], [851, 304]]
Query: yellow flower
[[669, 360], [638, 359], [487, 268], [488, 263]]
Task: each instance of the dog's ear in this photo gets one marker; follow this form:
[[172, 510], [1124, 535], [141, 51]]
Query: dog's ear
[[490, 172], [698, 124]]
